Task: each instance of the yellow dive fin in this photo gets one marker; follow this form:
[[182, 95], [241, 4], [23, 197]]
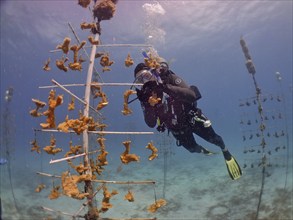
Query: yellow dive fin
[[234, 169]]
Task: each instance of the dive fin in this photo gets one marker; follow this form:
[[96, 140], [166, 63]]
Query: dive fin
[[234, 169]]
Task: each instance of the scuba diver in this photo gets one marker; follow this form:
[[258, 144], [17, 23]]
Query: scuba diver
[[168, 102]]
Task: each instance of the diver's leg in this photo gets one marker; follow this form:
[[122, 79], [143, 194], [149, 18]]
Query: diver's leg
[[202, 127], [186, 139], [208, 134]]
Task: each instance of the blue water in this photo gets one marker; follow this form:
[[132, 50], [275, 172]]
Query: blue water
[[200, 40]]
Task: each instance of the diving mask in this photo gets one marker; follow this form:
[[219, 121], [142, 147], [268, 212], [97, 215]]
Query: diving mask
[[144, 76]]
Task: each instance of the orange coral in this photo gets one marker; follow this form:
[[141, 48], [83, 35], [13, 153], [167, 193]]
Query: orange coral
[[78, 125], [50, 113], [153, 100], [99, 54], [105, 60], [106, 69], [74, 150], [79, 168], [85, 25], [46, 66], [104, 9], [104, 101], [40, 187], [125, 157], [97, 92], [65, 45], [54, 193], [71, 105], [158, 204], [128, 61], [93, 41], [101, 127], [69, 185], [39, 104], [129, 196], [106, 205], [103, 153], [153, 149], [76, 65], [151, 62], [84, 3], [51, 149], [126, 110], [35, 147], [61, 64]]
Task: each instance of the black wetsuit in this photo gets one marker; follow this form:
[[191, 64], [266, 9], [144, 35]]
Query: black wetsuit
[[177, 112]]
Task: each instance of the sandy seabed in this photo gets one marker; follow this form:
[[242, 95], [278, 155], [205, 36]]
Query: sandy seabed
[[195, 187]]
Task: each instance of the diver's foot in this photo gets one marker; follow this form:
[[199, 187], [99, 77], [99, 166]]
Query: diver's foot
[[227, 155], [233, 167], [206, 151]]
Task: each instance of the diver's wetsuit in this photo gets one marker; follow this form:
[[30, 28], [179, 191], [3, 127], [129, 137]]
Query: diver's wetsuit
[[177, 112]]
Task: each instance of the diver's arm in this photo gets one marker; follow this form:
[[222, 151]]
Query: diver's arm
[[175, 87], [186, 94], [149, 113]]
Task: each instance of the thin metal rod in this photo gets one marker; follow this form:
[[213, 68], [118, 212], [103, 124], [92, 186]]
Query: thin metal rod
[[110, 45], [75, 96], [66, 158], [105, 181], [63, 213], [85, 138], [125, 182], [71, 157], [98, 84], [48, 175], [100, 132]]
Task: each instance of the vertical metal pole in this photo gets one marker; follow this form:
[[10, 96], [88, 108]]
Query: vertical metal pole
[[87, 100], [85, 137]]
